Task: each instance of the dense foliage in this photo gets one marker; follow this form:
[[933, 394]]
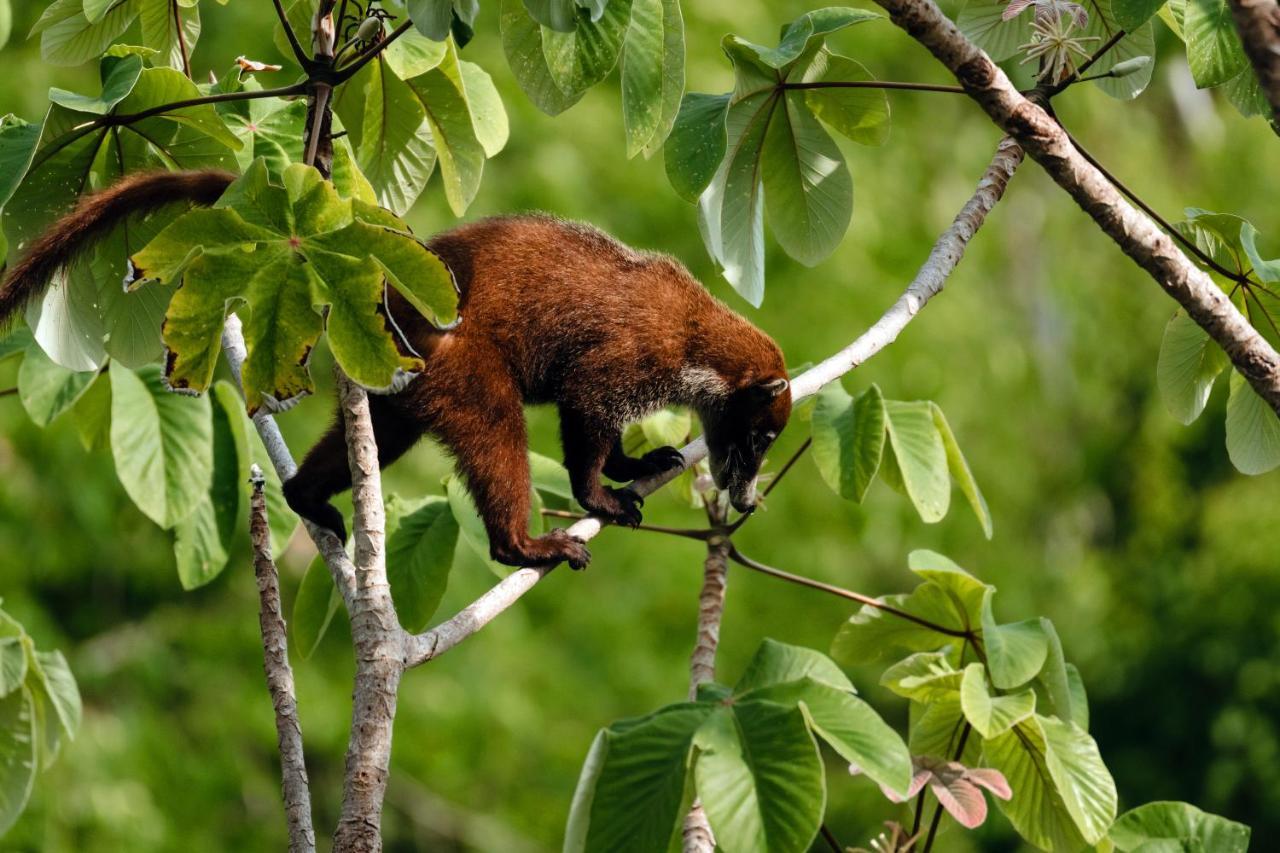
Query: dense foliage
[[284, 245]]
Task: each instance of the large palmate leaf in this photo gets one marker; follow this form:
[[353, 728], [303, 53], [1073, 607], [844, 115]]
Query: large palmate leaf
[[1214, 52], [76, 31], [696, 145], [162, 444], [859, 114], [759, 777], [287, 253], [984, 23], [1139, 41], [1253, 430], [582, 56], [652, 73], [874, 634]]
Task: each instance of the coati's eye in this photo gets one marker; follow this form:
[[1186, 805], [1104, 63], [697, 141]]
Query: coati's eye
[[770, 435]]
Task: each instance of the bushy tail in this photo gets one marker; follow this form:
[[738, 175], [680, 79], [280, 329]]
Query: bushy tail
[[93, 217]]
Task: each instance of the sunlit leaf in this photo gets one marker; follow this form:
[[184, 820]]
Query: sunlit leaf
[[1253, 430], [47, 389], [992, 715], [1214, 51], [848, 439], [921, 457], [861, 114], [1189, 363], [1167, 821], [652, 73]]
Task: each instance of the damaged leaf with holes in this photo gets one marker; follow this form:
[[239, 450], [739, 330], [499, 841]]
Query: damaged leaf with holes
[[295, 261]]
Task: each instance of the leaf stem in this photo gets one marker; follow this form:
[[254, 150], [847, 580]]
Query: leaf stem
[[742, 519], [301, 55], [876, 84], [182, 40], [112, 120], [830, 838], [349, 70], [700, 535], [743, 560]]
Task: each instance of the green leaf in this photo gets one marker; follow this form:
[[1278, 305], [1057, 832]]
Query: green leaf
[[1253, 431], [202, 541], [652, 73], [1214, 51], [1189, 363], [549, 476], [1180, 822], [432, 18], [1268, 271], [470, 525], [160, 20], [967, 594], [161, 443], [118, 79], [1131, 14], [395, 151], [1016, 652], [696, 146], [1081, 778], [53, 675], [633, 785], [936, 729], [488, 116], [559, 15], [287, 252], [759, 777], [1079, 699], [992, 715], [960, 471], [924, 677], [778, 663], [13, 664], [921, 457], [443, 96], [983, 22], [18, 139], [804, 31], [581, 57], [873, 635], [69, 37], [47, 389], [1060, 695], [92, 415], [522, 42], [419, 556], [314, 607], [1139, 42], [6, 24], [17, 755], [1036, 810], [807, 185], [848, 439], [859, 114], [413, 54]]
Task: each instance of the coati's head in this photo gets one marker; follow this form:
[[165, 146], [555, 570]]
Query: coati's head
[[740, 431]]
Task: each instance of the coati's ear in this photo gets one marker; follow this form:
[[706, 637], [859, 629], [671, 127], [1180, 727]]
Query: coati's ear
[[770, 388]]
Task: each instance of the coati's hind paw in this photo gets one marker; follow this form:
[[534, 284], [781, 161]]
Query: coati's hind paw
[[619, 506], [551, 549]]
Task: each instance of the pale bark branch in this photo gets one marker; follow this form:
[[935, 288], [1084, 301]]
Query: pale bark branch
[[696, 836], [1047, 143], [327, 543], [275, 659], [947, 251], [375, 633], [1258, 22]]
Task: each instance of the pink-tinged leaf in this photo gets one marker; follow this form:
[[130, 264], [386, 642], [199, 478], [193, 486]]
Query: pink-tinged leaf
[[992, 780], [1015, 8], [962, 800], [918, 781]]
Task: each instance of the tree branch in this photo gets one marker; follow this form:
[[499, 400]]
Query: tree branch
[[1258, 22], [296, 46], [946, 253], [375, 633], [1133, 232], [327, 543], [275, 659], [114, 120]]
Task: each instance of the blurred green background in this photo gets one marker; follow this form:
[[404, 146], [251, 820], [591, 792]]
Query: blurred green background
[[1156, 560]]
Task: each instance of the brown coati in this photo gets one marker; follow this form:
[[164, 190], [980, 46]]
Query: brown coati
[[551, 312]]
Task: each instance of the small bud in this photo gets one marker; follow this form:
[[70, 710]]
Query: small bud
[[1130, 66], [370, 30]]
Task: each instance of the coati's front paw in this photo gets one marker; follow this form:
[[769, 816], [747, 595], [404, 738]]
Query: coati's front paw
[[620, 506], [661, 460], [321, 514], [551, 549]]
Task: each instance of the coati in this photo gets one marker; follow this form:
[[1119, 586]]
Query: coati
[[551, 312]]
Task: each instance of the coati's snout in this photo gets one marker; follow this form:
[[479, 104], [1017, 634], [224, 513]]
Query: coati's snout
[[739, 436]]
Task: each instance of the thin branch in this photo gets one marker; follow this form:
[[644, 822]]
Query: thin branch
[[830, 837], [937, 810], [182, 40], [1173, 232], [327, 543], [114, 120], [929, 280], [756, 566], [875, 84], [795, 457], [8, 392], [296, 46], [1258, 22], [683, 532], [275, 660], [1133, 232], [349, 70]]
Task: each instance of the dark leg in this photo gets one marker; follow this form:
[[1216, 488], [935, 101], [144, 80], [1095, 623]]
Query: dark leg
[[325, 471], [622, 468], [482, 424], [587, 445]]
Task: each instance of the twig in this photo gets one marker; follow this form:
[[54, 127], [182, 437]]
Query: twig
[[349, 70], [296, 46], [686, 533], [929, 280], [114, 120], [830, 838], [275, 659], [182, 39], [795, 457], [756, 566], [327, 543], [1137, 235], [1187, 243], [875, 84], [8, 392], [1258, 22]]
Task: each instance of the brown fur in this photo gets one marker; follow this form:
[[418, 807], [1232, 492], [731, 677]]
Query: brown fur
[[552, 312]]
